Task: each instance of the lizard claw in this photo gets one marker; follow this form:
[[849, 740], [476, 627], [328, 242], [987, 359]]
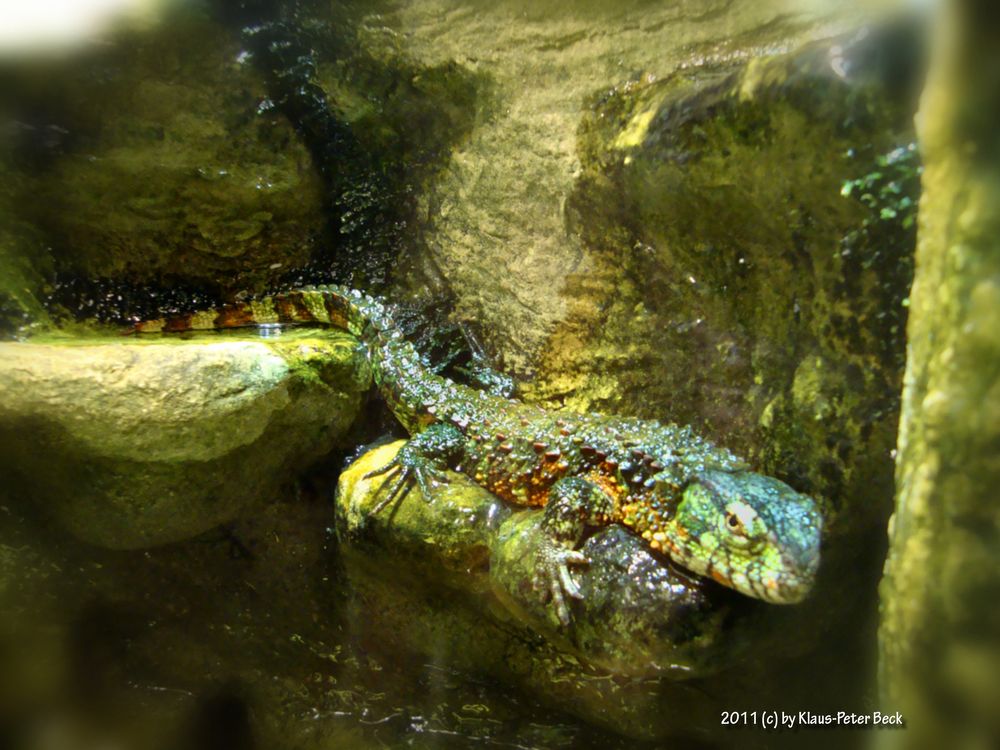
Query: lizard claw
[[553, 579], [409, 470], [383, 469]]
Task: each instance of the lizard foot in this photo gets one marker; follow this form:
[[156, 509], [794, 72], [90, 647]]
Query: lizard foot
[[402, 472], [421, 461], [552, 578]]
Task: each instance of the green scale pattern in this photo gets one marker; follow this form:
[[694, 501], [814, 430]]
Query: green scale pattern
[[692, 501]]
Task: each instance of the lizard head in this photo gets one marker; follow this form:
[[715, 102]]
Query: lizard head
[[747, 531]]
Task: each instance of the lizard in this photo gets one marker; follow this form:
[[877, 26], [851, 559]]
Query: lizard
[[694, 502]]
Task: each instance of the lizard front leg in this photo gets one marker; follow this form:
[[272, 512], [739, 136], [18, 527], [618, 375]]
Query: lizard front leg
[[574, 504], [421, 461]]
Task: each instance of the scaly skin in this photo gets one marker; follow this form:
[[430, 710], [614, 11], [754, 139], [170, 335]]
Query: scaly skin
[[696, 503]]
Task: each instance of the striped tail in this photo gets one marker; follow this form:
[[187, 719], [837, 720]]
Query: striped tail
[[326, 305], [409, 388]]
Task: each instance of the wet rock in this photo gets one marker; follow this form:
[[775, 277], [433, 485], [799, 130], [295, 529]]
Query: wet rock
[[215, 154], [142, 442], [23, 261], [649, 652], [170, 162], [726, 285], [495, 226]]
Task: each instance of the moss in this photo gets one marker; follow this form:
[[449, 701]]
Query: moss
[[718, 290], [320, 360], [171, 169]]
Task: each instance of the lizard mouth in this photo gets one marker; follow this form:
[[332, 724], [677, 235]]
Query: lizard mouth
[[790, 585], [787, 582]]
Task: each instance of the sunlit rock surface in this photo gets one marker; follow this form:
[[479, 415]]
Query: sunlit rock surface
[[131, 443], [650, 651]]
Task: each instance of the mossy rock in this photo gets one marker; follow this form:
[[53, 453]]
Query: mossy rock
[[24, 263], [142, 442], [172, 163], [719, 290], [650, 652]]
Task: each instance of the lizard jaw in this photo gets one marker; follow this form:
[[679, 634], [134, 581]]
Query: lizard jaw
[[767, 575]]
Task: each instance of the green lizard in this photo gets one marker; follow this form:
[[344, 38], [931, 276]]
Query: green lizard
[[698, 504]]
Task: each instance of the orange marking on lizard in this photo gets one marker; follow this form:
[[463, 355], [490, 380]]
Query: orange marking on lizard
[[611, 487]]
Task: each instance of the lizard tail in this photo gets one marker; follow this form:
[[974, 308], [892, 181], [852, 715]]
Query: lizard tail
[[328, 305], [402, 379]]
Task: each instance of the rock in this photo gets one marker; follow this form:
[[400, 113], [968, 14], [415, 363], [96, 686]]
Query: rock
[[169, 163], [225, 150], [142, 442], [448, 578], [496, 220], [23, 259], [940, 596]]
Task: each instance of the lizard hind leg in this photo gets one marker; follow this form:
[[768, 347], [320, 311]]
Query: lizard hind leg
[[574, 503], [421, 461]]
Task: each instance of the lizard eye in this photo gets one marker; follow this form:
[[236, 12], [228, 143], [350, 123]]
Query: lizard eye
[[734, 524], [739, 523]]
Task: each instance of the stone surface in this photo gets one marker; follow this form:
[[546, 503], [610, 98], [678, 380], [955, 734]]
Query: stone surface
[[650, 652], [168, 162], [496, 229], [940, 627], [131, 444]]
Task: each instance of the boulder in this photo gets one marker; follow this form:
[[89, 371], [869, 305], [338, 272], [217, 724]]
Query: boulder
[[650, 651], [146, 441], [496, 226], [166, 160]]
